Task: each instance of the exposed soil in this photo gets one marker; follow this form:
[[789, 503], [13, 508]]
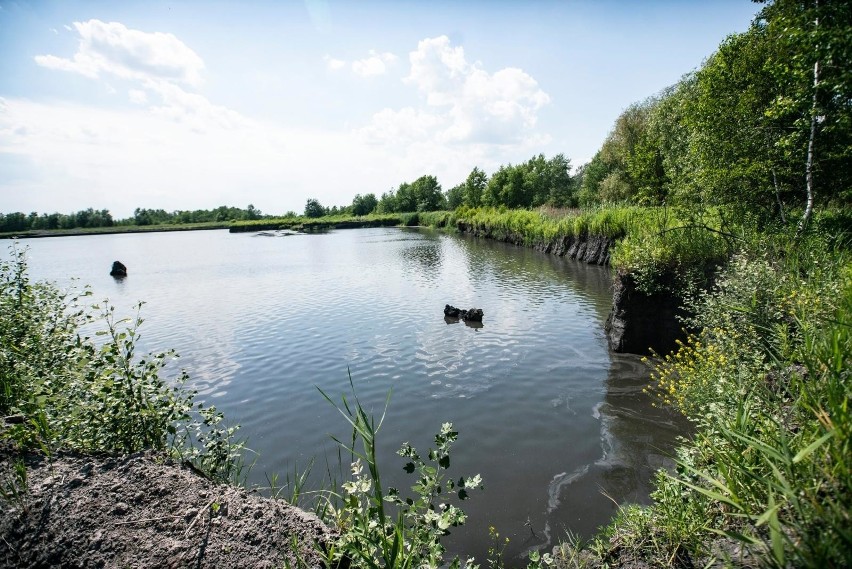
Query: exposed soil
[[143, 510]]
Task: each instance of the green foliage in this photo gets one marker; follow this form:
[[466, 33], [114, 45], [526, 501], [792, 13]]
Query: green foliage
[[661, 249], [544, 225], [424, 194], [314, 209], [474, 188], [763, 124], [455, 196], [768, 473], [89, 219], [14, 489], [144, 217], [76, 393], [364, 205], [381, 528], [534, 183]]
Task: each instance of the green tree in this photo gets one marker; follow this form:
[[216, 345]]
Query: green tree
[[363, 205], [455, 196], [252, 212], [387, 203], [406, 199], [474, 187], [427, 194], [314, 209], [811, 47]]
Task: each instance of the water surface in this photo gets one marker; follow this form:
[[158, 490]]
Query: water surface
[[557, 426]]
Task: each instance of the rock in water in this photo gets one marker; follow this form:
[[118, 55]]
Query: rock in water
[[118, 269], [471, 315]]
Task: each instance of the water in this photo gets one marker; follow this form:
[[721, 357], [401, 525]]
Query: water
[[558, 427]]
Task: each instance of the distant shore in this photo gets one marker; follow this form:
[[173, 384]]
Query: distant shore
[[37, 233]]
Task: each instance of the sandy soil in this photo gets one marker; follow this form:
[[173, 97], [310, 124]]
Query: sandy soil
[[143, 510]]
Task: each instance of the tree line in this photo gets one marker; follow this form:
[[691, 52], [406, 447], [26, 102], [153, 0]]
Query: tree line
[[90, 218], [536, 182], [762, 128]]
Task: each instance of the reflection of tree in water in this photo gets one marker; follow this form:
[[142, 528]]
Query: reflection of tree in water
[[425, 259], [636, 440], [640, 437], [535, 271]]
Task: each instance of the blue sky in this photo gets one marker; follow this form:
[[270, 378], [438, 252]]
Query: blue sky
[[188, 105]]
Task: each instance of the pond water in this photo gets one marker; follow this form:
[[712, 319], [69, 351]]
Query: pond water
[[557, 425]]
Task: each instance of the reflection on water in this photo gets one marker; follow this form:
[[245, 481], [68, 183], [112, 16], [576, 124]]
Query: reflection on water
[[557, 426], [636, 439]]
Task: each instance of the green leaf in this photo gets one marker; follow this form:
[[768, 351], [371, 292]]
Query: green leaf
[[805, 452]]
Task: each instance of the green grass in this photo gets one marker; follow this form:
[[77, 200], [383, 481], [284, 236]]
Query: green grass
[[302, 223], [661, 249], [768, 473]]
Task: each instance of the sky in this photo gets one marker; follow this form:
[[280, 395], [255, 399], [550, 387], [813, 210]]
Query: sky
[[191, 105]]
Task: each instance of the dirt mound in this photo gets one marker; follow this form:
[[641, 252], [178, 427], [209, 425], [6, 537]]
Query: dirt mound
[[144, 510]]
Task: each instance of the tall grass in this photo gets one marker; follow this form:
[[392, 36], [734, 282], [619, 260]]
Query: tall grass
[[768, 475], [662, 249]]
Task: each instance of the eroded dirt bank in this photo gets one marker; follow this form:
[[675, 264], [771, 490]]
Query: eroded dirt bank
[[143, 510]]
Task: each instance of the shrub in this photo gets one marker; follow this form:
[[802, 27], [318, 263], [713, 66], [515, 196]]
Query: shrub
[[74, 393]]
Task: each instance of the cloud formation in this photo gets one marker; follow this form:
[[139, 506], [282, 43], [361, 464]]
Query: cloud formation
[[374, 64], [157, 64], [173, 147], [334, 64], [463, 101], [114, 49]]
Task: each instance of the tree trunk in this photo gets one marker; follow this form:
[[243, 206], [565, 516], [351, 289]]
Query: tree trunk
[[809, 165]]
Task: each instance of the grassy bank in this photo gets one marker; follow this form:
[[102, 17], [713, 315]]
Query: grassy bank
[[767, 479], [114, 229], [308, 224], [662, 249]]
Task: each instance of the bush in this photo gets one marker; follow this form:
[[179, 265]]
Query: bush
[[72, 392]]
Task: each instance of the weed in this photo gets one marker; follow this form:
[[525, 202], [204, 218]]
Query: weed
[[382, 528], [73, 392], [14, 488]]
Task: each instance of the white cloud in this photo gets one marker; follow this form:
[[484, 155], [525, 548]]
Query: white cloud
[[402, 126], [334, 64], [464, 103], [174, 148], [137, 96], [191, 109], [82, 156], [114, 49], [375, 64], [157, 63]]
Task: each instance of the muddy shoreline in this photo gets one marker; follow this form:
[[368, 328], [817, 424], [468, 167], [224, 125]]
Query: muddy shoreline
[[143, 510]]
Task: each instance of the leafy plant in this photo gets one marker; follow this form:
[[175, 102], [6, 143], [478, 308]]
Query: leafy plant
[[71, 391], [383, 528]]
